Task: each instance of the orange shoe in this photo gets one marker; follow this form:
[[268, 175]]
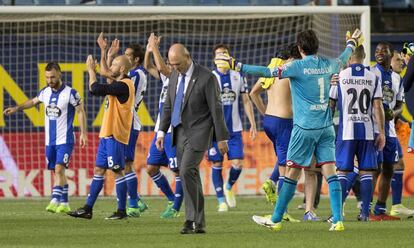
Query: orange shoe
[[382, 217]]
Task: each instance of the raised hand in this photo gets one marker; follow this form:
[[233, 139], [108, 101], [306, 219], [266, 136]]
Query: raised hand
[[356, 39], [102, 42], [224, 61], [114, 49], [91, 63]]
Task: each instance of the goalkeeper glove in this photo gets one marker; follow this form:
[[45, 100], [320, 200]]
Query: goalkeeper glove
[[224, 61], [408, 48], [354, 40]]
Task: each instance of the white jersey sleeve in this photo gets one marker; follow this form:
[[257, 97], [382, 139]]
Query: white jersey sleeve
[[333, 92]]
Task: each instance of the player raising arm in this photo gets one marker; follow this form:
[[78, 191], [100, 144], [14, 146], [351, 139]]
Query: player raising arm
[[61, 102], [313, 132]]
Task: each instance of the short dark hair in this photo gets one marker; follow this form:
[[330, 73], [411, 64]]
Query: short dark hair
[[53, 65], [359, 52], [289, 51], [308, 42], [221, 45], [138, 51], [387, 44]]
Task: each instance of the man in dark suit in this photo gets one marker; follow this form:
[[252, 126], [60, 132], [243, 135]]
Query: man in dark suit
[[193, 108]]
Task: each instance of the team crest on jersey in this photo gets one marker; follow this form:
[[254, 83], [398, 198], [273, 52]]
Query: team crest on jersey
[[53, 111], [228, 96], [212, 151], [387, 93], [358, 68]]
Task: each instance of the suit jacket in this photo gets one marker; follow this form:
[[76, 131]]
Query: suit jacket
[[201, 114]]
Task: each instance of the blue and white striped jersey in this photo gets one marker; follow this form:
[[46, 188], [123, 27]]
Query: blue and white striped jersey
[[59, 114], [139, 77], [355, 93], [392, 91], [163, 95], [232, 84]]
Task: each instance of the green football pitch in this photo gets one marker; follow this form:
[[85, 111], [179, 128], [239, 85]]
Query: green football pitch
[[25, 223]]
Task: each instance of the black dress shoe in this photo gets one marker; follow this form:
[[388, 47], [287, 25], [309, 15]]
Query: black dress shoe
[[188, 227], [199, 229]]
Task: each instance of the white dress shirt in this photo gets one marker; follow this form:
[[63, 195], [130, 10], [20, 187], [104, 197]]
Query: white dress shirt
[[188, 74]]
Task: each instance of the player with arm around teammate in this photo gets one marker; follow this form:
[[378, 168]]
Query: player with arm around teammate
[[61, 103], [313, 132]]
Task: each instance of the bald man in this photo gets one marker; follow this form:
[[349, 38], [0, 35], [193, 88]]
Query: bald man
[[193, 108], [115, 130]]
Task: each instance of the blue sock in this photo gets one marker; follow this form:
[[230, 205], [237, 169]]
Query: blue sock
[[233, 176], [285, 196], [96, 187], [57, 193], [280, 183], [397, 186], [121, 192], [335, 197], [275, 174], [65, 191], [132, 185], [366, 194], [343, 180], [380, 208], [161, 181], [352, 176], [217, 178], [178, 200]]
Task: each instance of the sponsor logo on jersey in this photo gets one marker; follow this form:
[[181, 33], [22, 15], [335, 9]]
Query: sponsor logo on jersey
[[387, 93], [228, 96], [53, 111]]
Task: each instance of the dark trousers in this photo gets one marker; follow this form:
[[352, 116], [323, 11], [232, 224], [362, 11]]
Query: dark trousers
[[189, 164]]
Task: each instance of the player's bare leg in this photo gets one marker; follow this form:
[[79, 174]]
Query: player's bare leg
[[311, 181]]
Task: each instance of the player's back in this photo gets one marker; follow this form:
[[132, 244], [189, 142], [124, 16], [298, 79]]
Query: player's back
[[279, 100], [355, 93], [310, 82]]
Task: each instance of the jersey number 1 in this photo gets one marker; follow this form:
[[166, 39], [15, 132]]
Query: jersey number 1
[[321, 84]]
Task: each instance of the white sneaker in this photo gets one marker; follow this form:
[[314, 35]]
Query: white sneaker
[[230, 198], [267, 222], [222, 207], [400, 209]]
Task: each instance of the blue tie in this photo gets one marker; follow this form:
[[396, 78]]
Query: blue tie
[[176, 115]]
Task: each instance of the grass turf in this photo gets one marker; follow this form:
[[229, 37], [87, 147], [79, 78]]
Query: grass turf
[[25, 223]]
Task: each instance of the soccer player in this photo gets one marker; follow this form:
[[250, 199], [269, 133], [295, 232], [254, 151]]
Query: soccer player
[[61, 102], [278, 124], [393, 98], [313, 132], [138, 75], [408, 52], [166, 157], [115, 129], [397, 208], [233, 86], [359, 97]]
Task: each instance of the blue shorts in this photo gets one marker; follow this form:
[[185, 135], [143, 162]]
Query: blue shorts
[[130, 148], [58, 154], [163, 158], [235, 149], [364, 150], [305, 143], [111, 154], [278, 130], [390, 152]]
